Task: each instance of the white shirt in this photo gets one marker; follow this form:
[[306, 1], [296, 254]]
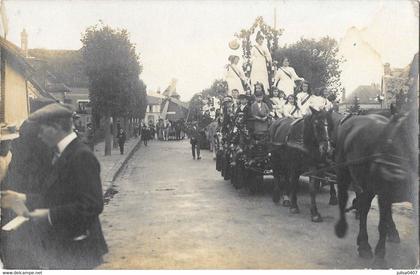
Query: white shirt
[[62, 144]]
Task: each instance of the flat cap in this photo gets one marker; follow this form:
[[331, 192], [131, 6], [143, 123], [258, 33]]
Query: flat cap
[[240, 96], [50, 112]]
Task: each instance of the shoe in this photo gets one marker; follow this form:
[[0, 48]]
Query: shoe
[[199, 158], [193, 157]]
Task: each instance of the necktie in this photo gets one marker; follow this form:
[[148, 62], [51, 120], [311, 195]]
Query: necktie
[[55, 156]]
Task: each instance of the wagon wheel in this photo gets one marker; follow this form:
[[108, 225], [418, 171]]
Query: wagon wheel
[[255, 181]]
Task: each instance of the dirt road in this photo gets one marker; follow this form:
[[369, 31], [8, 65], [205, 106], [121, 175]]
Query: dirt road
[[173, 212]]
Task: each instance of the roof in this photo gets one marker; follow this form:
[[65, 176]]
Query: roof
[[366, 93], [179, 103], [16, 53], [153, 100]]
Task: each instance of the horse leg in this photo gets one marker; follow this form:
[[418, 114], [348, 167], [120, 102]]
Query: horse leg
[[365, 200], [333, 195], [315, 216], [392, 233], [343, 182], [385, 207], [285, 190], [294, 186]]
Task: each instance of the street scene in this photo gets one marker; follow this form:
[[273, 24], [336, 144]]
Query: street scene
[[198, 220], [146, 135]]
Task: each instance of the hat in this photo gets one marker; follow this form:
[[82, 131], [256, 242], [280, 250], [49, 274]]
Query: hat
[[234, 44], [51, 112], [38, 103], [227, 99], [8, 132]]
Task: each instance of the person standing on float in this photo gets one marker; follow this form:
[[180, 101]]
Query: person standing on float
[[285, 78], [235, 76], [260, 57]]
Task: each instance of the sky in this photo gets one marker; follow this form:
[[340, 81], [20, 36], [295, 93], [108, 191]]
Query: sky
[[188, 40]]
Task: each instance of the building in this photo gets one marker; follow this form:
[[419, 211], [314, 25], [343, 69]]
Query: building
[[153, 110], [166, 105], [367, 96], [394, 82], [17, 84]]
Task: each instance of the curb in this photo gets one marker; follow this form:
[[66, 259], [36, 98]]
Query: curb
[[108, 183]]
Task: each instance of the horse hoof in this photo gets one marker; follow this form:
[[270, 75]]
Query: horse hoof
[[341, 228], [286, 203], [365, 253], [317, 218], [333, 201], [294, 210], [394, 237]]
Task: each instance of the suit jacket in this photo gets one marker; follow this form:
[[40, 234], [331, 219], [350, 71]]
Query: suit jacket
[[260, 126], [73, 193], [260, 112]]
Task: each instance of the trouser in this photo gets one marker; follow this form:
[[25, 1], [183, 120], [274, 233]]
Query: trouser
[[195, 146], [121, 148]]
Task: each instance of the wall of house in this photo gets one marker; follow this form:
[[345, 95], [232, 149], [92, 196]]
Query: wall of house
[[16, 100]]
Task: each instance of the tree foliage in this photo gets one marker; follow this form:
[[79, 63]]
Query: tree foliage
[[316, 61], [113, 68]]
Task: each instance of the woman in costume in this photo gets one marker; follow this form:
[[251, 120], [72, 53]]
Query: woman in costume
[[235, 76], [285, 78], [260, 58], [291, 109]]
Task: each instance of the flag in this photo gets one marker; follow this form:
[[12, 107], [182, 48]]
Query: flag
[[4, 25]]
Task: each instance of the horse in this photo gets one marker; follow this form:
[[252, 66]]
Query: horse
[[298, 146], [379, 156]]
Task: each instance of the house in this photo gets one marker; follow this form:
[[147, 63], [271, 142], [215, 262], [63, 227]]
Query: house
[[367, 96], [394, 82], [17, 85], [166, 105], [153, 110]]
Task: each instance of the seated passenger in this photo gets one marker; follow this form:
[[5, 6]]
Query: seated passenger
[[260, 112], [278, 103], [291, 109]]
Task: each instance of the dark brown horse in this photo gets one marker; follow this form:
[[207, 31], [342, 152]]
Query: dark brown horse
[[378, 155], [298, 146]]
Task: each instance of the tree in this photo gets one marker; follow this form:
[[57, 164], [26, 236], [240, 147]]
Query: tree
[[355, 107], [113, 68], [316, 61]]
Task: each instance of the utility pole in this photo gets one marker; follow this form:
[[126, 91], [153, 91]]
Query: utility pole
[[275, 18]]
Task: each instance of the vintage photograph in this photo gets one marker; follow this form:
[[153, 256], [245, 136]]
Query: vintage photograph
[[209, 135]]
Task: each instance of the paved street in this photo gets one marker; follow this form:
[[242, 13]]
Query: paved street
[[172, 212]]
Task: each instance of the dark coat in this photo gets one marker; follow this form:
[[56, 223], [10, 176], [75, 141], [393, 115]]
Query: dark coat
[[28, 169], [121, 137], [73, 193]]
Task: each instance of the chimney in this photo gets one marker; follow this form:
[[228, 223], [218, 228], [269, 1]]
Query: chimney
[[387, 69], [24, 42]]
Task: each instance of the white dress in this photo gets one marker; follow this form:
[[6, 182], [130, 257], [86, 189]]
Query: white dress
[[285, 79], [316, 102], [278, 106], [233, 77], [259, 65], [288, 109]]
